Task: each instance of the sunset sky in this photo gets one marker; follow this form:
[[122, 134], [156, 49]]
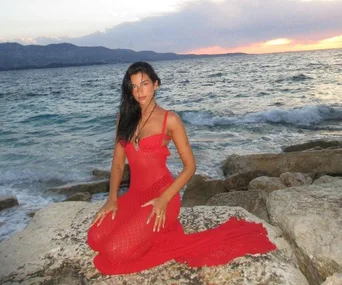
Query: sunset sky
[[181, 26]]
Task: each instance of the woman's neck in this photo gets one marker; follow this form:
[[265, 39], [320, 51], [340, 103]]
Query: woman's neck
[[145, 110]]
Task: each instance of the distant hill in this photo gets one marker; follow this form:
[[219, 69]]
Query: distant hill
[[14, 56]]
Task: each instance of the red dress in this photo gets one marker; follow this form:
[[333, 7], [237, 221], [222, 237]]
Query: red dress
[[127, 244]]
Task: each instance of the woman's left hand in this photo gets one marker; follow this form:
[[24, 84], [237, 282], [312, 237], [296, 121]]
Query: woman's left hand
[[159, 209]]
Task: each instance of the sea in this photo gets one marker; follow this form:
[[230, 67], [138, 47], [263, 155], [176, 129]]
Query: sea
[[57, 125]]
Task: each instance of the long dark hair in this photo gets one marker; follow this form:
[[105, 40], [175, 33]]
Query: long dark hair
[[130, 110]]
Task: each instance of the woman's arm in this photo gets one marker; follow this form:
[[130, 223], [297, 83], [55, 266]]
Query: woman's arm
[[118, 164], [117, 169], [176, 128]]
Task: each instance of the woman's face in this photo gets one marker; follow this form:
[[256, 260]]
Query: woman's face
[[143, 88]]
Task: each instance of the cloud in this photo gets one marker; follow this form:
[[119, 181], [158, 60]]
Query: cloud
[[26, 41], [277, 42], [275, 45], [227, 24]]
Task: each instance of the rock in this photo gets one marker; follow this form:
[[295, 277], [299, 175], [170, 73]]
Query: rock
[[266, 183], [104, 174], [92, 187], [31, 213], [322, 144], [7, 202], [252, 201], [336, 279], [240, 181], [82, 196], [274, 164], [310, 217], [327, 179], [100, 173], [52, 247], [314, 149], [291, 179], [200, 189]]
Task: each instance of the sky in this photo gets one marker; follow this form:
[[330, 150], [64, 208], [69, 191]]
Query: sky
[[181, 26]]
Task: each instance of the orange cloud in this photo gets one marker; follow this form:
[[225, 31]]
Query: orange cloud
[[275, 45]]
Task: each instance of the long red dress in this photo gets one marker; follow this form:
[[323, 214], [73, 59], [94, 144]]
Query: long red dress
[[127, 244]]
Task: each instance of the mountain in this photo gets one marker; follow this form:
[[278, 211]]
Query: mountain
[[14, 56]]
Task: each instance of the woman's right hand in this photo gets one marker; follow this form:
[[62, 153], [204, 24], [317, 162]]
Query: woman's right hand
[[104, 210]]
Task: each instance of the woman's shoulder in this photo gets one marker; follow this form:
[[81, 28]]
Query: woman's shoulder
[[173, 120], [171, 115]]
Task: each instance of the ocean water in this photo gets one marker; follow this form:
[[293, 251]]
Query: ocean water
[[57, 125]]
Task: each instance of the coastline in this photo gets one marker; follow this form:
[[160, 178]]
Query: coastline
[[259, 196]]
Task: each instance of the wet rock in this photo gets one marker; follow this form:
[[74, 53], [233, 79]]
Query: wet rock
[[8, 202], [200, 189], [104, 174], [82, 196], [100, 173], [252, 201], [320, 144], [31, 213], [274, 164], [91, 187], [240, 181]]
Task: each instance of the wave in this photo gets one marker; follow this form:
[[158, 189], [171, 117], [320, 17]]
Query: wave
[[296, 78], [305, 116], [35, 176], [45, 119], [203, 118], [213, 75]]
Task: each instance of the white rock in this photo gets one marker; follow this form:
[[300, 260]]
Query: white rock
[[310, 216], [327, 179], [52, 247], [292, 179], [336, 279], [266, 183]]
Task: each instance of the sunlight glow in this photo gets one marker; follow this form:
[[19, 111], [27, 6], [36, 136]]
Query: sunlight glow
[[278, 45], [337, 39], [278, 42]]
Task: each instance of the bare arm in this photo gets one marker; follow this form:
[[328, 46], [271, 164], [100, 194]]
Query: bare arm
[[180, 139], [118, 165]]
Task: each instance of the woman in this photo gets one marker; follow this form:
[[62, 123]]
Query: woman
[[141, 229]]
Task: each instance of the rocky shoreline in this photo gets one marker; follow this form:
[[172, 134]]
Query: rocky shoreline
[[296, 194]]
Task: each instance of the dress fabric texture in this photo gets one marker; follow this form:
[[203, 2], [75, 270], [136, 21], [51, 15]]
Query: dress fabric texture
[[126, 244]]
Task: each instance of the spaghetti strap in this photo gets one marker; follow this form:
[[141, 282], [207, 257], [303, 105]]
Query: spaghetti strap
[[164, 123]]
